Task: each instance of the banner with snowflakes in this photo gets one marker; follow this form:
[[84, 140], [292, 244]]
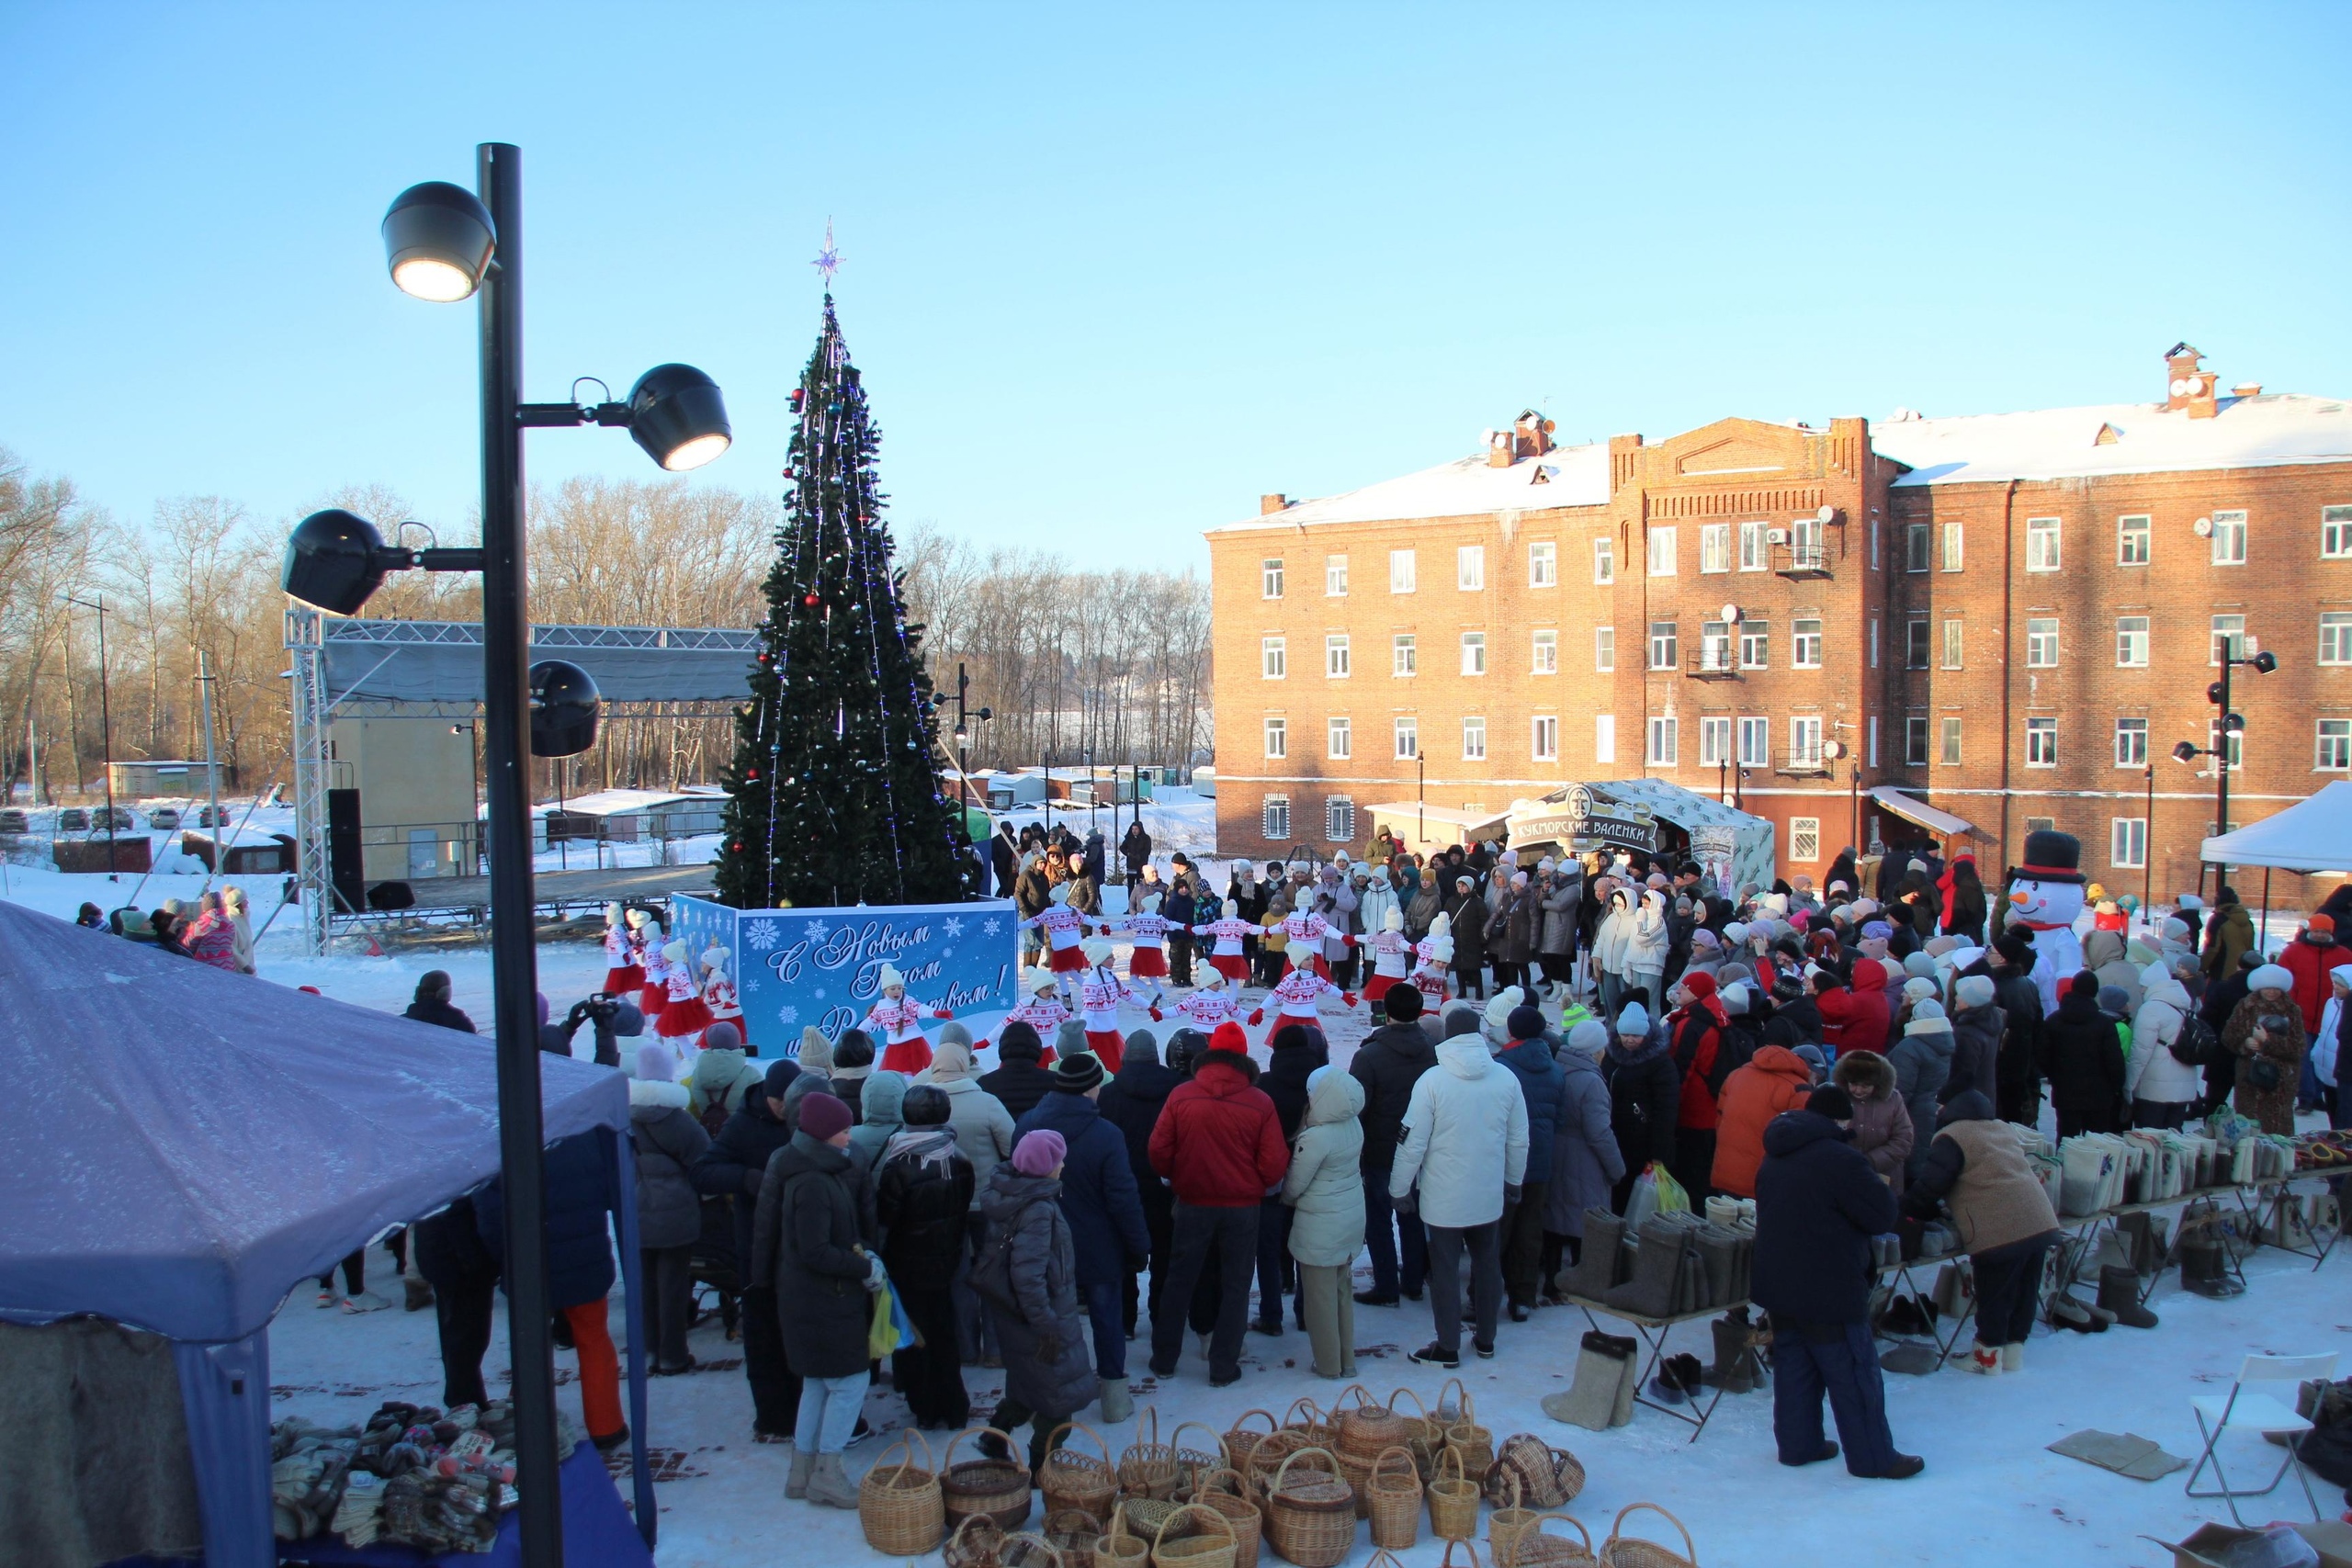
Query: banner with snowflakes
[[796, 968]]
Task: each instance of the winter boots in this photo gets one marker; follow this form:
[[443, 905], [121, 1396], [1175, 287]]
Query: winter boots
[[2204, 1265], [829, 1485], [804, 1464], [1985, 1359], [2013, 1358], [1736, 1369], [1600, 1397], [1657, 1268], [1118, 1403], [1719, 1261], [2067, 1311], [1678, 1379], [2118, 1292], [1596, 1267]]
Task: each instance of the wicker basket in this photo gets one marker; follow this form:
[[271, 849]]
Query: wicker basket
[[1303, 1417], [1145, 1515], [1229, 1492], [1120, 1546], [1367, 1430], [1075, 1534], [1532, 1549], [1453, 1501], [1311, 1517], [1622, 1550], [1194, 1463], [1240, 1442], [1472, 1444], [1030, 1551], [1468, 1548], [900, 1507], [976, 1543], [1393, 1499], [1072, 1480], [1268, 1456], [1148, 1469], [997, 1487], [1509, 1520], [1450, 1411], [1547, 1477], [1424, 1435], [1203, 1538], [1357, 1473]]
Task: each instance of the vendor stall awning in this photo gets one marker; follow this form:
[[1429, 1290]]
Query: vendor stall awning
[[2310, 835], [1919, 811]]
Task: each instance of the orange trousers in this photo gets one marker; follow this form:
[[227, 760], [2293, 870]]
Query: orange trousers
[[600, 1368]]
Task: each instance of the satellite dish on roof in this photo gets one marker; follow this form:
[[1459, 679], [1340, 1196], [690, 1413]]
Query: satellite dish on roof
[[2202, 527], [1827, 515], [1731, 612]]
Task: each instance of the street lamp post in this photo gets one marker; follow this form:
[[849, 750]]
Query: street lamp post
[[105, 724], [2231, 723]]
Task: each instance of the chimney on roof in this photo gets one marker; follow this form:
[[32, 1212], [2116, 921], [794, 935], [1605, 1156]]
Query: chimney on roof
[[2186, 387], [1532, 435], [1268, 504], [2246, 389]]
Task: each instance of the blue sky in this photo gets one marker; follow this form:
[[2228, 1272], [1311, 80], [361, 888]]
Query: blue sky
[[1113, 271]]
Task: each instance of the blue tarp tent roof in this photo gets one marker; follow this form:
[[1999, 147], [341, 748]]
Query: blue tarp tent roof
[[180, 1145]]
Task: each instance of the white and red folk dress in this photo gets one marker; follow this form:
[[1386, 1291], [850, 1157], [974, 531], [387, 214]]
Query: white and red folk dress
[[1148, 959], [1392, 960], [653, 998], [899, 1023], [1047, 1016], [1064, 931], [719, 994], [1099, 995], [684, 1015], [1304, 929], [1296, 998], [1228, 958], [623, 975], [1207, 1008]]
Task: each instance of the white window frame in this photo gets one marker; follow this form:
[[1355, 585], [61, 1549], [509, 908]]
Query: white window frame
[[1339, 819], [1604, 649], [1338, 737], [1405, 731], [1663, 549], [2041, 742], [1874, 642], [1809, 541], [2131, 742], [1715, 547], [2332, 746], [1714, 741], [1274, 658], [1403, 656], [1954, 541], [1404, 571], [1955, 643], [1918, 547], [1474, 739], [1873, 544], [1754, 737], [1337, 660], [1473, 653], [1804, 740], [2042, 642], [1470, 567], [1277, 737], [1755, 549], [2216, 632], [1670, 644], [1335, 576], [1270, 578], [2127, 842], [1755, 645], [1604, 738], [1274, 819], [1716, 648], [2229, 539], [2236, 742], [1604, 562], [1948, 741], [2131, 642], [2335, 533], [1799, 639], [1915, 740], [1665, 741], [1544, 738], [2135, 539], [1543, 564], [1545, 654], [1805, 839], [2044, 543], [2335, 637]]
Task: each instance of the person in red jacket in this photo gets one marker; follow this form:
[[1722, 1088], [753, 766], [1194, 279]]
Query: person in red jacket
[[1853, 1018], [2309, 958], [1219, 1144], [1694, 1032], [1774, 1080]]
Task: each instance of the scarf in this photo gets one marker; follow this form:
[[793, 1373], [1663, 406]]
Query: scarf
[[928, 1145]]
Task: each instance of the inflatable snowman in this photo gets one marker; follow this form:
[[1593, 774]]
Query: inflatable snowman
[[2045, 897]]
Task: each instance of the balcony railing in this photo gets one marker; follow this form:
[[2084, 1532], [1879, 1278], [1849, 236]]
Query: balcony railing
[[1802, 761], [1717, 660], [1803, 560]]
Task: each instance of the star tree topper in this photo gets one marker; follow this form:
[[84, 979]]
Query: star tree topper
[[829, 260]]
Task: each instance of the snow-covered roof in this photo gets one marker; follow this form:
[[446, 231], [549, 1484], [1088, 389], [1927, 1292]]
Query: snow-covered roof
[[1467, 487], [620, 802], [2262, 430]]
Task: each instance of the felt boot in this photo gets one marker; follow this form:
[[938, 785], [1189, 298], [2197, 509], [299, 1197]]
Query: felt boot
[[2134, 1230], [2118, 1292], [1658, 1265], [1719, 1257], [830, 1486], [1602, 1363], [2013, 1358], [1985, 1359], [803, 1464], [1118, 1403], [1734, 1371], [1596, 1267], [2068, 1313], [1629, 1383]]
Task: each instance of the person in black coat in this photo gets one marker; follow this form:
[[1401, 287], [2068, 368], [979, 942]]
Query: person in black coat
[[1101, 1204], [2018, 1070], [1645, 1098], [1134, 848], [1469, 932], [1182, 911], [1131, 1102], [1818, 1204], [431, 1002], [1019, 1083], [579, 1175], [1295, 1051], [2082, 1056], [1004, 859], [922, 1197], [1388, 1063], [732, 1169], [2221, 1000], [463, 1272]]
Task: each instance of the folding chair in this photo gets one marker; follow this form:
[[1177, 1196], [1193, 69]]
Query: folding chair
[[2248, 1408]]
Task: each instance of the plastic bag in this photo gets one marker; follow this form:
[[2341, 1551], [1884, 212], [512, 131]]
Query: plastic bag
[[1652, 1191], [1672, 1199], [890, 1329]]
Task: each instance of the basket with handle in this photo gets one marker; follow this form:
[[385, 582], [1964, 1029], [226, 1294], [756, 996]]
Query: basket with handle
[[1367, 1430], [1148, 1468], [1449, 1411], [1240, 1442], [900, 1507], [1229, 1492], [1073, 1479], [1424, 1435], [1530, 1548], [1623, 1551], [1303, 1416], [1509, 1520], [1204, 1538], [1393, 1499], [1311, 1513], [1468, 1548], [1475, 1444], [1357, 1473], [1547, 1477], [1453, 1501], [1074, 1533], [1194, 1463], [1120, 1546], [1268, 1456], [976, 1543], [1027, 1550], [997, 1487]]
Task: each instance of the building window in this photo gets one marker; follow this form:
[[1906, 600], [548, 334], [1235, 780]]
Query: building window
[[2334, 532], [1338, 741], [1755, 549], [1805, 839], [1544, 738], [1953, 641], [1271, 578], [1400, 571], [1604, 648], [1805, 645], [1951, 547], [2229, 538], [2040, 824], [1873, 544], [2131, 642], [2229, 638], [1547, 654], [1474, 740], [1470, 567], [1715, 547], [1604, 561], [1335, 576], [2131, 742], [1663, 644], [2334, 755], [1755, 645], [2127, 842], [1408, 738], [1715, 742], [1274, 661], [1874, 642], [1806, 546], [1662, 742], [1917, 547], [1473, 653], [1915, 741], [1277, 737], [2042, 642], [1804, 742], [1340, 820], [1275, 820], [1755, 742], [1402, 658], [2236, 743], [1335, 655], [1714, 645], [2335, 637], [1543, 565], [2041, 543], [2131, 541], [1952, 742], [2042, 743], [1662, 549], [1914, 644], [1604, 738]]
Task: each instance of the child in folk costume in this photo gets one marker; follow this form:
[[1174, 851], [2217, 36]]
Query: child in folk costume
[[897, 1019], [1148, 961], [1065, 930], [1043, 1011], [623, 975], [1392, 957], [1100, 992], [1228, 957], [1434, 955], [654, 996], [718, 994], [1216, 1002], [684, 1013], [1303, 933], [1300, 990]]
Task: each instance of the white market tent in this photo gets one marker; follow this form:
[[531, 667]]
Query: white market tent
[[2309, 836]]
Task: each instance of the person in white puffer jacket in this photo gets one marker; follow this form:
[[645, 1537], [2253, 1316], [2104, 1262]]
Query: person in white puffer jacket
[[1466, 1149], [2160, 1087]]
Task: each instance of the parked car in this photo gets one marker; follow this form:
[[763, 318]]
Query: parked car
[[13, 820], [163, 819], [72, 819], [113, 818]]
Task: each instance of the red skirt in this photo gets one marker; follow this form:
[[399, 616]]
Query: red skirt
[[1147, 962], [908, 1056], [1107, 1046], [1376, 987], [1232, 966], [678, 1020], [652, 1000], [621, 982], [1067, 960]]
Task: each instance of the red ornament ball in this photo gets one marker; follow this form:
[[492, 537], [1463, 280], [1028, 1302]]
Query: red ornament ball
[[809, 599]]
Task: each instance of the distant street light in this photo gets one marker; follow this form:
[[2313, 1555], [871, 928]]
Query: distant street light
[[2231, 723]]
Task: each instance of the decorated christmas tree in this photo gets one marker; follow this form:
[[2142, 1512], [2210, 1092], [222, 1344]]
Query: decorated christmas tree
[[835, 790]]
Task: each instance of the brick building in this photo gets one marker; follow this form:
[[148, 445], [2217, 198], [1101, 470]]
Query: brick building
[[2005, 619]]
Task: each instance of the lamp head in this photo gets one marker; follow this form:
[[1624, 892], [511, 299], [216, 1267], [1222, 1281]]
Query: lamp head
[[2213, 693], [564, 703], [2265, 662], [335, 561], [438, 240], [678, 416], [2184, 752]]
